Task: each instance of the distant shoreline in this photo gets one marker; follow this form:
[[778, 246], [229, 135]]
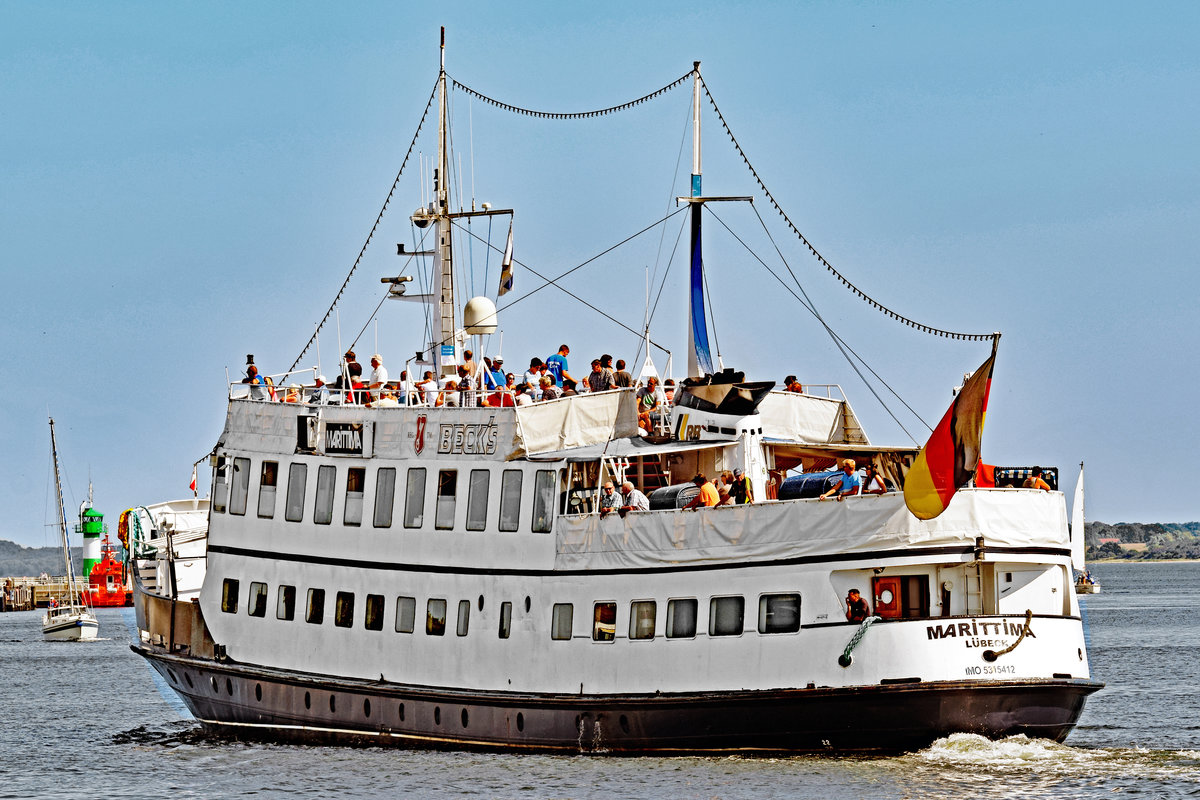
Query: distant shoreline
[[1144, 561]]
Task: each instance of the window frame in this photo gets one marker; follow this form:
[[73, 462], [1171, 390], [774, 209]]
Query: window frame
[[229, 595], [297, 488], [435, 625], [373, 611], [352, 511], [672, 617], [446, 502], [384, 509], [562, 617], [509, 518], [326, 491], [314, 606], [406, 614], [285, 602], [478, 487], [715, 615], [765, 613], [268, 479], [545, 483], [239, 491], [256, 600], [636, 616], [414, 501]]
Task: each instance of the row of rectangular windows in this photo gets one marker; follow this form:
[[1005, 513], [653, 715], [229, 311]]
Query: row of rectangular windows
[[777, 613], [237, 491]]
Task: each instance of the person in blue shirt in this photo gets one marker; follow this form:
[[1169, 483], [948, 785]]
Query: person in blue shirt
[[557, 365], [848, 483], [493, 378]]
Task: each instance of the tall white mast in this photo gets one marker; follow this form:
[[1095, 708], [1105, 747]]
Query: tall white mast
[[441, 187]]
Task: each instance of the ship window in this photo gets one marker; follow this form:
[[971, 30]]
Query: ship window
[[256, 603], [477, 499], [285, 605], [240, 486], [373, 621], [316, 606], [779, 613], [414, 498], [510, 500], [726, 615], [268, 477], [355, 478], [435, 618], [385, 496], [560, 621], [220, 490], [406, 614], [464, 617], [641, 619], [604, 622], [297, 480], [505, 619], [343, 609], [229, 595], [326, 476], [681, 618], [543, 501], [447, 489]]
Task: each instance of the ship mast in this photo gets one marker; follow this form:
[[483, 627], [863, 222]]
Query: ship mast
[[441, 187], [699, 360], [72, 597]]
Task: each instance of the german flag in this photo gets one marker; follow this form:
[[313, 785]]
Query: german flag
[[948, 460]]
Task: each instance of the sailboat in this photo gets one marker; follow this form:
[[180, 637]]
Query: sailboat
[[69, 617], [1084, 582]]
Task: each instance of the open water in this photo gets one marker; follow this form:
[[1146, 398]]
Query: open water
[[88, 721]]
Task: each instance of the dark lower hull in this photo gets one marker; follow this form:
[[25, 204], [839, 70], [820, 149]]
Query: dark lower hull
[[260, 703]]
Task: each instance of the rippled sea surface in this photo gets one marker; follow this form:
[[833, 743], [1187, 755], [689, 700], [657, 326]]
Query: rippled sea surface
[[88, 721]]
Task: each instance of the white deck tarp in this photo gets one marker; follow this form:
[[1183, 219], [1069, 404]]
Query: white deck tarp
[[806, 418], [576, 421], [799, 528]]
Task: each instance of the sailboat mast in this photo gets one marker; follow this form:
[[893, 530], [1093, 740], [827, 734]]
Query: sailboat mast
[[441, 188], [62, 516], [699, 360]]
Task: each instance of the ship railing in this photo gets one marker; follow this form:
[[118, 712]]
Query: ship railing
[[830, 391]]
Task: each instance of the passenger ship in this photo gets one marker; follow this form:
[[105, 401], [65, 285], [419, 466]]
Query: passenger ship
[[439, 577]]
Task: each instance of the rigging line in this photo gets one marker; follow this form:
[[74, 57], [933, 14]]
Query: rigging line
[[573, 115], [663, 283], [554, 282], [687, 120], [382, 300], [972, 337], [371, 234], [487, 256], [837, 340], [800, 286]]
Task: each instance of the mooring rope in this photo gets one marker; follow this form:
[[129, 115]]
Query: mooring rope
[[991, 655], [845, 658]]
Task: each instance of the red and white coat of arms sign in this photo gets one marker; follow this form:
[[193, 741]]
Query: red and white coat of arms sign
[[419, 438]]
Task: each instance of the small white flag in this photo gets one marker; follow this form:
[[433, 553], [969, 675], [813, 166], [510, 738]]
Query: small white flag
[[506, 275]]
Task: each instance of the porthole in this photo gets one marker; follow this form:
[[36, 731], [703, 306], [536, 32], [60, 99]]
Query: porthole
[[213, 679], [174, 677], [437, 715], [258, 692], [481, 602], [188, 678], [402, 712], [464, 718], [332, 704], [520, 721], [229, 687], [307, 700], [528, 604], [366, 708], [624, 721]]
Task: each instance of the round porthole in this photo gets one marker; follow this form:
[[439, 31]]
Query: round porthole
[[366, 708], [886, 597], [258, 692], [437, 715], [188, 678], [520, 721], [464, 717], [213, 679], [332, 704], [174, 678], [307, 700]]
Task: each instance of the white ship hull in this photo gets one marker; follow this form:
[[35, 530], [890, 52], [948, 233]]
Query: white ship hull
[[69, 624]]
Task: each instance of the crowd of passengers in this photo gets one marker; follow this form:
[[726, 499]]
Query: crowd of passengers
[[488, 385]]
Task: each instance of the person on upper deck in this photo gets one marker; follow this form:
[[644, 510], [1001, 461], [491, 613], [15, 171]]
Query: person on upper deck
[[427, 388], [469, 363], [467, 394], [320, 393], [848, 482], [548, 390], [623, 379], [669, 391], [791, 384], [568, 388], [379, 376], [647, 404], [449, 395], [257, 392], [599, 380], [493, 378], [857, 609], [533, 375], [556, 365], [708, 496], [724, 498], [606, 365], [632, 499], [742, 488], [387, 399], [873, 481], [1035, 481], [524, 395]]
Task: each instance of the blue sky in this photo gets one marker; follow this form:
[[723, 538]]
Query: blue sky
[[186, 183]]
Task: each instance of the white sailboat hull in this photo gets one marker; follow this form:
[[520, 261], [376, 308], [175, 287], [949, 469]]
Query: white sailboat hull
[[70, 624]]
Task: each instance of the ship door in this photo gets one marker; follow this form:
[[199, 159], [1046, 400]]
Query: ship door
[[887, 597]]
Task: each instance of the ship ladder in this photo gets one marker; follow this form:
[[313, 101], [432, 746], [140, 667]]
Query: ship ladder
[[845, 659]]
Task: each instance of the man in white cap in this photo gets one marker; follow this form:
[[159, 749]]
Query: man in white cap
[[379, 376], [320, 392]]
